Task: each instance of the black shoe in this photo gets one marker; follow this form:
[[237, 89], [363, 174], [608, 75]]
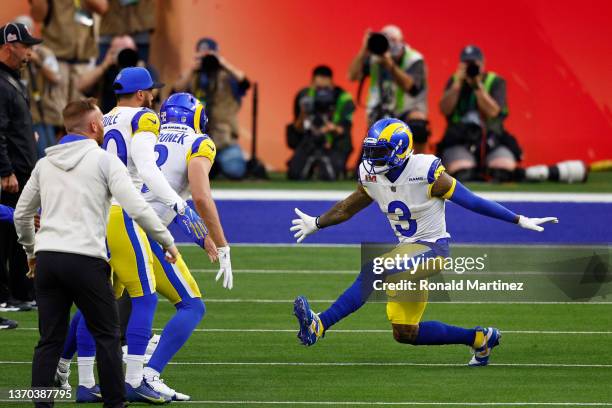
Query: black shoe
[[15, 306], [7, 324]]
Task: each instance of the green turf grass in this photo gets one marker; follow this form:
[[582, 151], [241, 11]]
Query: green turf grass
[[412, 374]]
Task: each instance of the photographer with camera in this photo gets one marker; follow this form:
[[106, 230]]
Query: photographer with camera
[[474, 104], [220, 86], [98, 82], [398, 83], [320, 134]]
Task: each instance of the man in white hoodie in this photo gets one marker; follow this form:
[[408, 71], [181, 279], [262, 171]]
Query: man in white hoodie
[[73, 186]]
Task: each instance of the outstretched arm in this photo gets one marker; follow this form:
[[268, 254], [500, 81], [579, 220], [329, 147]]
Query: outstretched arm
[[345, 209], [340, 212], [449, 188]]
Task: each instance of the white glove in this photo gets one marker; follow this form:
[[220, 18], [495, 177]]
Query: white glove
[[534, 223], [305, 225], [225, 267]]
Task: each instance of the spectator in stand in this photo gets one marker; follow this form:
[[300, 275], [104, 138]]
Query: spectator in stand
[[98, 81], [320, 133], [220, 86], [68, 30], [135, 18], [475, 107], [42, 78], [398, 81]]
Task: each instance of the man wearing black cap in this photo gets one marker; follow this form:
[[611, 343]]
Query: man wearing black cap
[[17, 152], [474, 104]]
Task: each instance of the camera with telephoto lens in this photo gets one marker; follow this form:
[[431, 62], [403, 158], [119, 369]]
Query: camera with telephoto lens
[[472, 70], [378, 44], [319, 109], [209, 64], [127, 58]]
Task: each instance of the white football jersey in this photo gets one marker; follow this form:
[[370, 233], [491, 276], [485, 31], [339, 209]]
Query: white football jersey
[[413, 214], [120, 126], [176, 146]]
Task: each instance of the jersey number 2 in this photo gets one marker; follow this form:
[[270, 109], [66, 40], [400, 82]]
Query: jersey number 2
[[404, 215]]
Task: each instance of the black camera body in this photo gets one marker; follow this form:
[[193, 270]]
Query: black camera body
[[209, 64], [378, 43], [472, 70], [319, 109]]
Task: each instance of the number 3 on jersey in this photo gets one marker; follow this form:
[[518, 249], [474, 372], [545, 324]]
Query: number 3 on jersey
[[403, 215]]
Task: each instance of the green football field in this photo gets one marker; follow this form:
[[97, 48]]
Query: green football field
[[245, 351]]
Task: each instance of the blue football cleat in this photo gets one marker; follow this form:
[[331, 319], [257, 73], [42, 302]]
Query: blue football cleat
[[311, 327], [144, 393], [87, 395], [492, 336]]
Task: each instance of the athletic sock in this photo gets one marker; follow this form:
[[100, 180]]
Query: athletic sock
[[137, 335], [352, 299], [150, 374], [189, 313], [70, 344], [86, 371], [134, 369], [438, 333], [63, 365]]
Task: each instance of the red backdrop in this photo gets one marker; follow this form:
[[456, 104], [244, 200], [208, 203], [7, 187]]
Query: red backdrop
[[555, 56]]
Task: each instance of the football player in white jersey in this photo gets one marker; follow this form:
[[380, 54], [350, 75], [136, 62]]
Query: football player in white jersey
[[185, 156], [130, 131], [411, 190]]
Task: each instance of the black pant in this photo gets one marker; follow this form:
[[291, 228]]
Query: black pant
[[61, 279], [13, 261]]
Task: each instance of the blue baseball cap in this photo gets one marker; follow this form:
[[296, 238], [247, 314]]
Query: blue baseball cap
[[134, 79]]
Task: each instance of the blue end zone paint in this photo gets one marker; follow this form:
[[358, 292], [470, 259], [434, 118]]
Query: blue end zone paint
[[269, 221]]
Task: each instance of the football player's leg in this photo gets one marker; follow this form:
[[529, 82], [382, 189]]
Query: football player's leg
[[313, 326], [132, 263], [175, 283], [408, 329], [87, 390], [356, 295], [70, 347]]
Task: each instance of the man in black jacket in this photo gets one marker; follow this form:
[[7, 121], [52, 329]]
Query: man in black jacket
[[17, 153]]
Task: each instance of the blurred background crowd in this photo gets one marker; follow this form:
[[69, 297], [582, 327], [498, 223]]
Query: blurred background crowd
[[498, 91]]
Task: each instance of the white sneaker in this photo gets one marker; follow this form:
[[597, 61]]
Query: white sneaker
[[159, 386], [153, 342], [61, 379]]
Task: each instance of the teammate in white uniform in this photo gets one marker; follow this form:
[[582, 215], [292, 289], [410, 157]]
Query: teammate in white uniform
[[185, 156], [411, 190], [130, 131]]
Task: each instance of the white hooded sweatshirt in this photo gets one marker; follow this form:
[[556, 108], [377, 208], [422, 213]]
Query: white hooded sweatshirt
[[73, 186]]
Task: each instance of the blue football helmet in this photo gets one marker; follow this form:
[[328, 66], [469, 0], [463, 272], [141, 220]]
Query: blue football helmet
[[387, 145], [185, 109]]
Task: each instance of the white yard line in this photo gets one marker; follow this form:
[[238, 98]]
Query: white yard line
[[248, 300], [378, 403], [371, 331], [356, 272], [359, 364]]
